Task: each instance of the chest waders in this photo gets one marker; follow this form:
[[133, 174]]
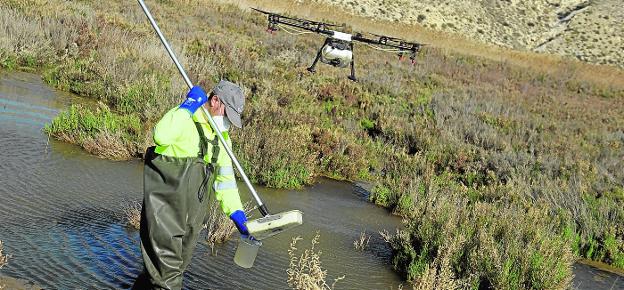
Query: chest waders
[[174, 208]]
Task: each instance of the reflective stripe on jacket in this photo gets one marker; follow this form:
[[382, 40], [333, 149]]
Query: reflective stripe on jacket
[[176, 135]]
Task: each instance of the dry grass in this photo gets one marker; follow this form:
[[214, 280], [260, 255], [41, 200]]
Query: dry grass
[[218, 226], [4, 259], [107, 145], [362, 243], [386, 236], [305, 270], [132, 214]]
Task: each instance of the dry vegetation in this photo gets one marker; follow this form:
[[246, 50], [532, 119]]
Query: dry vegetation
[[305, 270], [132, 214], [4, 259], [218, 226], [362, 242], [449, 43], [505, 170]]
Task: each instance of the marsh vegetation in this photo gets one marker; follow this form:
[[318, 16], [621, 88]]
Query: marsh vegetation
[[219, 227], [4, 259], [505, 174], [131, 214], [305, 270], [361, 243]]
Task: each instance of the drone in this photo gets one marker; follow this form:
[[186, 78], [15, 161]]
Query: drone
[[337, 50]]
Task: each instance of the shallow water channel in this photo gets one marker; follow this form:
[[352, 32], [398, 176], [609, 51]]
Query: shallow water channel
[[60, 216]]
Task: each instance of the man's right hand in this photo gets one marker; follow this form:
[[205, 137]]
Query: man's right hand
[[195, 98]]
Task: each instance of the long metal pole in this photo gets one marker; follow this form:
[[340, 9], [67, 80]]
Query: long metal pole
[[261, 206]]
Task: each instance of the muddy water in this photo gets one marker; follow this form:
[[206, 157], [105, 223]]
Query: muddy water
[[60, 216]]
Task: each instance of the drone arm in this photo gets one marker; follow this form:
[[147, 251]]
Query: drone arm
[[305, 25], [389, 42], [276, 19]]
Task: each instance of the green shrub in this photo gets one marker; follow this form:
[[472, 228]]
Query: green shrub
[[100, 131], [481, 244], [284, 159], [80, 76]]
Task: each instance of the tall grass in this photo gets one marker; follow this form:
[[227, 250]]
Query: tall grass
[[219, 227], [361, 243], [131, 214], [305, 270], [4, 259], [527, 157], [451, 242]]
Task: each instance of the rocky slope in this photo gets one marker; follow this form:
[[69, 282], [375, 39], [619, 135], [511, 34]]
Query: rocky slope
[[591, 31]]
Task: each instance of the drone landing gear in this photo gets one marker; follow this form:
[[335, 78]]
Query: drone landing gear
[[312, 68], [352, 76], [318, 56]]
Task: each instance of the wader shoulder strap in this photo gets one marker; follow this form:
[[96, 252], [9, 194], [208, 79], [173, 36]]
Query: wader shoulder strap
[[203, 146], [215, 150], [208, 168]]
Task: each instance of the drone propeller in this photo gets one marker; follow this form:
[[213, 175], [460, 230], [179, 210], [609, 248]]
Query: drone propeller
[[310, 25], [261, 11], [387, 37]]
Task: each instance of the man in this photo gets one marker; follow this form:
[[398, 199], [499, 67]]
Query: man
[[186, 166]]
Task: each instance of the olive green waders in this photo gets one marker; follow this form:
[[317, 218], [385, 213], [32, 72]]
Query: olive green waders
[[174, 207]]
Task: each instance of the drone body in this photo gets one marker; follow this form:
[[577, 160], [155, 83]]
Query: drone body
[[337, 50]]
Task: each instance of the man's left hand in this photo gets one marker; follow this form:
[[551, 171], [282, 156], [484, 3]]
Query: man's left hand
[[239, 219]]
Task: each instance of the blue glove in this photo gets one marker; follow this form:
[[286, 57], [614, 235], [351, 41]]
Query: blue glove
[[239, 219], [195, 98]]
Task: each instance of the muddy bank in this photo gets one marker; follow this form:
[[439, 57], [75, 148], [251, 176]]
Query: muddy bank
[[9, 283]]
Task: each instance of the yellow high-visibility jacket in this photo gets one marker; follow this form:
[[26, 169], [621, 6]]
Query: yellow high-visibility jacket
[[176, 135]]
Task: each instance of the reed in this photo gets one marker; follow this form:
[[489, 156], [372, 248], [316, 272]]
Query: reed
[[219, 227], [4, 259], [132, 214], [362, 242], [305, 270]]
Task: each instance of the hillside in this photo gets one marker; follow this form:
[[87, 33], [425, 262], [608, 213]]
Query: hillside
[[591, 31]]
